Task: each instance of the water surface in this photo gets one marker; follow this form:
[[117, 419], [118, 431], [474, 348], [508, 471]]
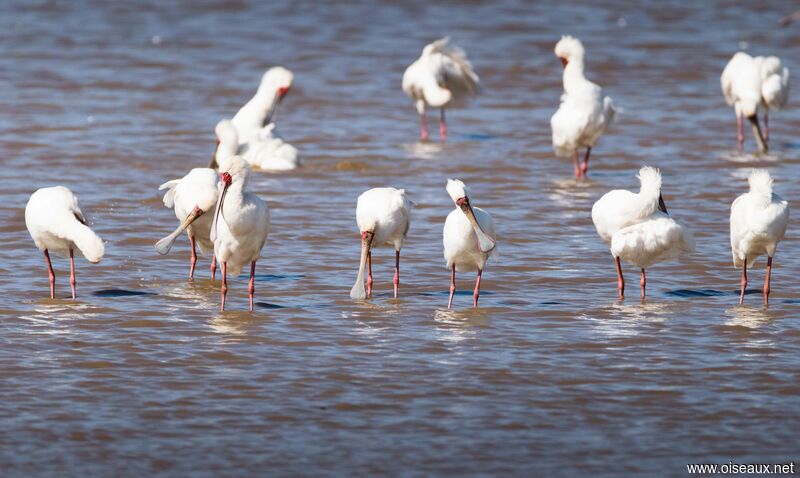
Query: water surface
[[142, 375]]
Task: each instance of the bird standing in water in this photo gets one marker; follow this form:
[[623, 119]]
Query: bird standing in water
[[638, 227], [56, 223], [758, 223], [441, 77], [383, 216], [468, 237], [193, 196], [749, 83], [240, 225], [584, 113]]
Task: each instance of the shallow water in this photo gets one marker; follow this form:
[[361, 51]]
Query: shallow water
[[550, 375]]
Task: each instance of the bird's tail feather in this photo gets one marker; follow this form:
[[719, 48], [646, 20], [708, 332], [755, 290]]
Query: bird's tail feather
[[169, 196]]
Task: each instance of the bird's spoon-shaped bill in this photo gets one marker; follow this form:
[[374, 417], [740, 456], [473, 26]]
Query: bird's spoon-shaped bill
[[164, 245], [222, 189], [358, 291], [762, 144], [485, 243]]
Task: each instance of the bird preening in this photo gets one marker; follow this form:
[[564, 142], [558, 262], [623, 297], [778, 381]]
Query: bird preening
[[222, 217], [56, 223], [442, 77], [758, 223], [639, 229], [749, 83]]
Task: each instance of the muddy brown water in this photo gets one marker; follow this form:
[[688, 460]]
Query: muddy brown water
[[142, 375]]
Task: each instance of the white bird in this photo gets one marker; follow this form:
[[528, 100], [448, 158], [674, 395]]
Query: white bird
[[56, 223], [638, 227], [584, 113], [240, 225], [758, 223], [441, 77], [749, 82], [383, 217], [259, 142], [468, 237], [193, 196]]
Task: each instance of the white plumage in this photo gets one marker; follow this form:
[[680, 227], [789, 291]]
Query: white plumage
[[259, 142], [751, 82], [638, 228], [383, 216], [56, 223], [758, 223], [468, 237], [584, 113], [192, 197], [240, 225], [441, 77]]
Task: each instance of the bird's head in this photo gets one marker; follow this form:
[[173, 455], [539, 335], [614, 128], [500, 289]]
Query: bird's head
[[457, 191], [770, 65], [277, 80], [232, 170], [275, 84], [568, 49]]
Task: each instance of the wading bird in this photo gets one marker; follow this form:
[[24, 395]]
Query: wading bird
[[638, 227], [749, 82], [441, 77], [56, 223], [758, 224], [383, 217], [584, 113], [193, 196], [259, 142], [468, 237], [240, 225]]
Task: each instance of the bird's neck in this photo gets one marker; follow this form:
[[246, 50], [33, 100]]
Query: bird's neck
[[649, 200], [573, 74], [251, 116]]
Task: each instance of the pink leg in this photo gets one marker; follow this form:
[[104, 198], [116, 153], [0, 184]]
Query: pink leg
[[740, 132], [224, 283], [252, 287], [369, 275], [576, 165], [643, 284], [423, 128], [443, 127], [477, 292], [744, 281], [213, 267], [193, 260], [766, 281], [50, 274], [72, 281], [396, 280], [452, 286], [766, 126], [620, 280], [585, 167]]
